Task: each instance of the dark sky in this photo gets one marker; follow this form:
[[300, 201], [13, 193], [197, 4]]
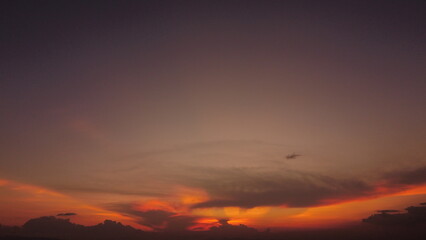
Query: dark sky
[[197, 104]]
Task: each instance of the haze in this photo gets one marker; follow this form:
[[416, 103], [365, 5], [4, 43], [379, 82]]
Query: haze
[[156, 113]]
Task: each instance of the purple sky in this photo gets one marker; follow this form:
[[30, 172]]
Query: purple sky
[[114, 102]]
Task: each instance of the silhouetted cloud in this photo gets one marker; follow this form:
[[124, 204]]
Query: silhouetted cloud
[[50, 226], [66, 214], [153, 218], [180, 222], [229, 230], [157, 219], [415, 215]]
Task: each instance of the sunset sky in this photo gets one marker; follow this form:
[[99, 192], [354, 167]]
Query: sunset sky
[[176, 114]]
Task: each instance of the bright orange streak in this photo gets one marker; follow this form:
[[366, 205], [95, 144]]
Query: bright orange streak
[[355, 209], [204, 224], [239, 221], [28, 188], [155, 205], [413, 191], [19, 202], [207, 220]]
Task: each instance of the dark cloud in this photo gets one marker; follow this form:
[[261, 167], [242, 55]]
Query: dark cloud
[[66, 214], [407, 177], [153, 218], [180, 222], [59, 228], [156, 219], [249, 188], [414, 215], [234, 231]]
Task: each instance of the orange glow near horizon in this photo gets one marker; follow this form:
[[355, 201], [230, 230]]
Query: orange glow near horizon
[[353, 210], [20, 202], [340, 213]]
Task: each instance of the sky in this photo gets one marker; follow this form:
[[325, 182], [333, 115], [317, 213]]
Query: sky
[[177, 114]]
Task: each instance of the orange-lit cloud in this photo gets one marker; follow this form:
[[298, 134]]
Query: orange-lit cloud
[[19, 202], [350, 211], [326, 215]]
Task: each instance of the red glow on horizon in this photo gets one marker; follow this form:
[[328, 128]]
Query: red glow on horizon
[[331, 213]]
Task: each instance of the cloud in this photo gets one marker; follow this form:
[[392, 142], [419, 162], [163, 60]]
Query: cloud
[[59, 228], [157, 219], [414, 215], [249, 188], [238, 173], [153, 218], [252, 187], [233, 230], [407, 177], [66, 214], [180, 222]]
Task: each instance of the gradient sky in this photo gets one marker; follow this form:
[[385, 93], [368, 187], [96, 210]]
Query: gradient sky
[[179, 113]]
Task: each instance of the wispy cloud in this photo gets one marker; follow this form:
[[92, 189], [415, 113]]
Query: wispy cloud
[[249, 188]]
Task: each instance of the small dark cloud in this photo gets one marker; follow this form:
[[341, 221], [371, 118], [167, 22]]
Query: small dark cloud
[[66, 214], [223, 221], [292, 156]]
